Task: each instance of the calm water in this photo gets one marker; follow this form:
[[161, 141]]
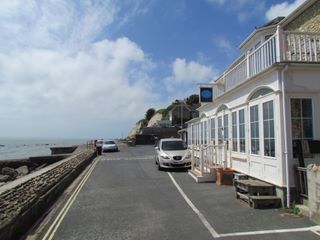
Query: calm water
[[11, 148]]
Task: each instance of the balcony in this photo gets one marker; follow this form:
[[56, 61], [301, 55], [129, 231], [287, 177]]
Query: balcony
[[281, 47]]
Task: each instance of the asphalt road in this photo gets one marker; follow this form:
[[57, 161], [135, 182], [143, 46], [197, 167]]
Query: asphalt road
[[126, 197]]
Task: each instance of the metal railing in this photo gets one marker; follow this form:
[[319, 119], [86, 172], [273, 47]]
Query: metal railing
[[303, 182]]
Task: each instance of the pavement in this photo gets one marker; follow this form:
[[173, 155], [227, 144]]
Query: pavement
[[124, 196]]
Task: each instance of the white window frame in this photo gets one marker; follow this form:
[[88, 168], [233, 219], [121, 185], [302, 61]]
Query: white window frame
[[259, 101]]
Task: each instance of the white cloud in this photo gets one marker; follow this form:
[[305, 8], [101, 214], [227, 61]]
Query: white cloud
[[225, 46], [44, 88], [282, 9], [57, 80], [242, 9], [185, 75]]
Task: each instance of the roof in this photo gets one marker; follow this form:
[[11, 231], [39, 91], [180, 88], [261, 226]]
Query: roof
[[282, 21], [273, 22], [297, 12]]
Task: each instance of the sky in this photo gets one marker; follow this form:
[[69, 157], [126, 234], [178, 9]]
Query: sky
[[92, 68]]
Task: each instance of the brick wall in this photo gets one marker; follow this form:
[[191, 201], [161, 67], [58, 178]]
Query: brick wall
[[308, 21]]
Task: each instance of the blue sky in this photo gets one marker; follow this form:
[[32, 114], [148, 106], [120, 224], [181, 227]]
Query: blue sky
[[91, 68]]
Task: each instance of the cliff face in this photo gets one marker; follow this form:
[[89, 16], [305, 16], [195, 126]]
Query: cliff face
[[135, 130], [139, 125], [153, 121]]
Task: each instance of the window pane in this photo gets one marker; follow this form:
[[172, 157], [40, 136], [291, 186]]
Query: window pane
[[241, 116], [272, 148], [295, 108], [265, 111], [266, 129], [253, 134], [254, 128], [220, 129], [296, 129], [271, 112], [242, 145], [257, 130], [271, 129], [225, 123], [306, 108], [307, 128]]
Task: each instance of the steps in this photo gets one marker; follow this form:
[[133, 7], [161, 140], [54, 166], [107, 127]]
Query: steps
[[256, 193], [208, 176]]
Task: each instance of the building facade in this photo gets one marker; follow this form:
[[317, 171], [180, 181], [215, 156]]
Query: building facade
[[267, 100]]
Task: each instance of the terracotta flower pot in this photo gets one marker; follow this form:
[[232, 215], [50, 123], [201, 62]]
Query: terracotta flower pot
[[224, 176]]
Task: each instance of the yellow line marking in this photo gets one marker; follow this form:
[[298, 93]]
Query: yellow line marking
[[54, 226]]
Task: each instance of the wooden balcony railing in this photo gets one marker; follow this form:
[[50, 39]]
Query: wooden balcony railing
[[280, 47]]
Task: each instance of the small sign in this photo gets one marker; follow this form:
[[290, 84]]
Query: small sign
[[206, 94]]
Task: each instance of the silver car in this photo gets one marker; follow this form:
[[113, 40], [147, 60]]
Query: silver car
[[172, 153], [109, 146]]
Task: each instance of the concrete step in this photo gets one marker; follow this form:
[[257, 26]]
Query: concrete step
[[200, 178]]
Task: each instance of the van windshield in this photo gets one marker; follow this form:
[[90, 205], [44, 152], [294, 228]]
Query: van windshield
[[173, 145]]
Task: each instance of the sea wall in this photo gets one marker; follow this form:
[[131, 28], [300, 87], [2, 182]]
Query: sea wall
[[22, 202]]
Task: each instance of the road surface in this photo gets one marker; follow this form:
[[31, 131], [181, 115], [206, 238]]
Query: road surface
[[124, 196]]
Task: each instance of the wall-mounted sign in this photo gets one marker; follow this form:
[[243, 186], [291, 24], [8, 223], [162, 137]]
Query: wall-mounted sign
[[206, 94]]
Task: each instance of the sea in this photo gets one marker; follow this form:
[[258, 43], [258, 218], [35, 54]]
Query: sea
[[18, 148]]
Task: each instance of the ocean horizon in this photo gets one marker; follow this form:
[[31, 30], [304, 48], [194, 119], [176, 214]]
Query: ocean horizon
[[17, 148]]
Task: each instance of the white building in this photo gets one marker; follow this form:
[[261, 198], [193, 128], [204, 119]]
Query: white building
[[264, 101]]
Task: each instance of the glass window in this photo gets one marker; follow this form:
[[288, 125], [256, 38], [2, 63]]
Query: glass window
[[225, 127], [268, 129], [254, 128], [220, 129], [301, 121], [173, 145], [205, 130], [213, 130], [242, 133], [234, 132], [261, 92]]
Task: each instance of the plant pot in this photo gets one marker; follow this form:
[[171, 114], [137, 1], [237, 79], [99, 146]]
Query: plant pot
[[224, 176]]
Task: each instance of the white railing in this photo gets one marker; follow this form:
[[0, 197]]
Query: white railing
[[263, 57], [217, 91], [236, 75], [195, 156], [302, 47], [282, 46], [206, 157]]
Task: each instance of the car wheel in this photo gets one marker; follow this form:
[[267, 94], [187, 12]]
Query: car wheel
[[159, 167]]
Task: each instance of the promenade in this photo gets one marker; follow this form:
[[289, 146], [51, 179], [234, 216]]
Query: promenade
[[123, 196]]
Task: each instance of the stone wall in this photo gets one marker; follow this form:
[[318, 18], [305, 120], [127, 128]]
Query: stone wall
[[313, 175], [308, 21], [22, 203]]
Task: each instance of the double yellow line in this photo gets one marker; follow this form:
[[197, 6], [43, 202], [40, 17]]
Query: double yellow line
[[54, 226]]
